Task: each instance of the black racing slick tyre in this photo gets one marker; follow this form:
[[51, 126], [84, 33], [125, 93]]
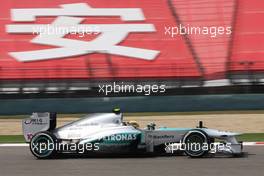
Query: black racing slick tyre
[[42, 145], [197, 143]]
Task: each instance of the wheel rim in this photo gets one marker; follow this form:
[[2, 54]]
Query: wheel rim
[[42, 145], [194, 144]]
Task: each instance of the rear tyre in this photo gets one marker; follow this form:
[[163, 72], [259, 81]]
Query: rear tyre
[[196, 143], [42, 145]]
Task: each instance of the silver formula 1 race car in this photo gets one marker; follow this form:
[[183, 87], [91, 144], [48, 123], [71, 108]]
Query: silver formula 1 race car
[[107, 133]]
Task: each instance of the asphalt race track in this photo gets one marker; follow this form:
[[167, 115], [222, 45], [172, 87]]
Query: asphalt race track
[[19, 161]]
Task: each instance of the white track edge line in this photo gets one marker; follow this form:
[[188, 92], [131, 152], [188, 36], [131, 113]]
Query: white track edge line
[[26, 145]]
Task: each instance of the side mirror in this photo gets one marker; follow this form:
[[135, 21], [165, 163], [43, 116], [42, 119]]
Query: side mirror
[[200, 125]]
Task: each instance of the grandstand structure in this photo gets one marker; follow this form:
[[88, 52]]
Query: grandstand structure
[[185, 63]]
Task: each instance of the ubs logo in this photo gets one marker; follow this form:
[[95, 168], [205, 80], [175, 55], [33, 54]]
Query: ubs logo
[[34, 122]]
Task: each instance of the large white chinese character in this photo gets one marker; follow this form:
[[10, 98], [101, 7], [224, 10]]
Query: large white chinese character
[[107, 42]]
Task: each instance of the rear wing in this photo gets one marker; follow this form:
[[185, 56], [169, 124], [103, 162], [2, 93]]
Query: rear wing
[[38, 122]]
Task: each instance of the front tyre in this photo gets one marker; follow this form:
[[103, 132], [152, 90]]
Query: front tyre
[[42, 145], [196, 144]]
